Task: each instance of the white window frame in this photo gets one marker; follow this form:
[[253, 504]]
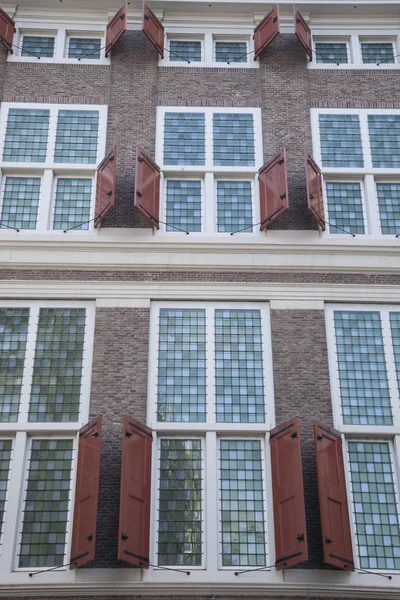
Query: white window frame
[[209, 173], [365, 433], [50, 170], [331, 40], [368, 174]]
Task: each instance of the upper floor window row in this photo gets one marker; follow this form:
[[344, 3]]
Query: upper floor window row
[[59, 45], [356, 50]]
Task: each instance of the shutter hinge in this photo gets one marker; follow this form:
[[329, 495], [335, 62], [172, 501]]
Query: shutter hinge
[[90, 537], [112, 158], [275, 20], [328, 540], [95, 434], [300, 537], [140, 159], [281, 162], [146, 17], [319, 437], [138, 194], [312, 197], [293, 435], [122, 16], [282, 196], [124, 537], [128, 434], [109, 193]]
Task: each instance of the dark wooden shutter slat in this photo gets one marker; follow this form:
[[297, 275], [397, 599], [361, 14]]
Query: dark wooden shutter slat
[[266, 31], [105, 187], [147, 187], [134, 515], [334, 511], [7, 30], [315, 193], [302, 31], [86, 494], [116, 27], [274, 195], [153, 29], [288, 495]]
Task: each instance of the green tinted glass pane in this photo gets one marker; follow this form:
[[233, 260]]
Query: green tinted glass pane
[[47, 504], [5, 461], [184, 139], [377, 52], [58, 364], [20, 202], [234, 206], [328, 53], [77, 136], [242, 504], [345, 207], [384, 135], [231, 52], [239, 379], [181, 382], [395, 326], [363, 379], [184, 50], [26, 135], [183, 205], [84, 48], [13, 335], [233, 140], [389, 207], [72, 203], [340, 137], [374, 504], [180, 515], [36, 45]]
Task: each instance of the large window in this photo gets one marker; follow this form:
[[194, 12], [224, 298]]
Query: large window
[[49, 158], [364, 355], [359, 154], [355, 50]]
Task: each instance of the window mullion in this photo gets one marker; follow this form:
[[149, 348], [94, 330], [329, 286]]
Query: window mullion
[[209, 133], [371, 206], [210, 357], [391, 367], [51, 140], [61, 38], [355, 49], [45, 202], [365, 140], [209, 205], [29, 360], [211, 520]]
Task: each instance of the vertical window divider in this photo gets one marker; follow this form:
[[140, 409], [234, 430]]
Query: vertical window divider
[[211, 504], [51, 139], [45, 213], [60, 44], [208, 48], [22, 496], [209, 203], [209, 137], [366, 146], [210, 354], [371, 209], [349, 486], [154, 504], [390, 365], [29, 360], [355, 49]]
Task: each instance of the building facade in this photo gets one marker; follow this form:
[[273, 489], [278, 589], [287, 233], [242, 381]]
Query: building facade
[[200, 299]]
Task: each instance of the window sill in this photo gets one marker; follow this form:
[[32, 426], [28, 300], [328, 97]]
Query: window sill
[[211, 65], [353, 67], [58, 61]]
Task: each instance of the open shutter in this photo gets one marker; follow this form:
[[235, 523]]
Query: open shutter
[[153, 29], [315, 192], [147, 187], [105, 187], [266, 31], [274, 195], [86, 494], [7, 30], [288, 495], [335, 523], [134, 513], [116, 27], [302, 31]]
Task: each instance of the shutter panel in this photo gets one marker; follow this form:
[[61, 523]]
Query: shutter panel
[[153, 29], [302, 31], [288, 494], [335, 522], [274, 195], [116, 27], [315, 192], [86, 494], [134, 514], [105, 187], [147, 187], [7, 30], [266, 31]]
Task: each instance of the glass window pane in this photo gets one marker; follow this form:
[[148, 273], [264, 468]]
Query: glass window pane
[[234, 205], [377, 52], [35, 45], [239, 379], [345, 207], [182, 365], [242, 504], [327, 53], [384, 135], [364, 385], [231, 52], [184, 50], [77, 136], [180, 514], [341, 141], [13, 336], [5, 461], [58, 364], [84, 48], [183, 205], [234, 140], [184, 139], [26, 135], [389, 207], [374, 504], [46, 509], [21, 202], [72, 203], [395, 325]]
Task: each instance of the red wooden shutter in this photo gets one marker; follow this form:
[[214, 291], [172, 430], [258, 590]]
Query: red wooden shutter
[[7, 30], [86, 494], [288, 493], [116, 27], [105, 187], [153, 29], [302, 31], [335, 523], [147, 187], [266, 31], [134, 513], [274, 195], [315, 192]]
